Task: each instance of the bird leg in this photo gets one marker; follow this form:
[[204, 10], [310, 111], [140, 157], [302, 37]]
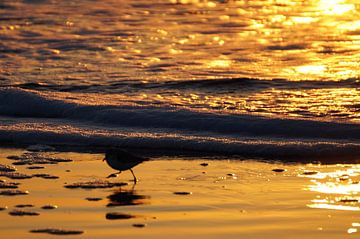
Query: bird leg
[[135, 179]]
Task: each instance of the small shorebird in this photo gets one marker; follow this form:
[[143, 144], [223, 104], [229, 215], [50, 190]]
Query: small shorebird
[[122, 160]]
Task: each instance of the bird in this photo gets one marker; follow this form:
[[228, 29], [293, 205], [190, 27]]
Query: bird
[[122, 160]]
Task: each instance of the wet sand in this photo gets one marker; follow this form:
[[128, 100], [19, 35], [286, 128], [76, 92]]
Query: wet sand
[[197, 198]]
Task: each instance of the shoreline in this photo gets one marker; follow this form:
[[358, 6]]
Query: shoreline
[[325, 159], [221, 197]]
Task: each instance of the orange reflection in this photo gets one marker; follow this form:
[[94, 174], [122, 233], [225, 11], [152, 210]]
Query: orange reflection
[[333, 207], [339, 188], [335, 7], [261, 39], [351, 230], [219, 63], [311, 69]]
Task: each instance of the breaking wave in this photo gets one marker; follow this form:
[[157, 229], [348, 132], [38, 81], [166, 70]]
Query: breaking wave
[[28, 117]]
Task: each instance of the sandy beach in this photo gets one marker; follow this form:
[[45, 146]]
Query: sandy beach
[[177, 197]]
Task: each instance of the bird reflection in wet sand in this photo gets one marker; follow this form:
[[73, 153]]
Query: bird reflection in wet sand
[[122, 160], [126, 198]]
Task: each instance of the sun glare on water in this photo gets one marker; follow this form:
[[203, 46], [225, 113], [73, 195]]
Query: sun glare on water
[[335, 7], [338, 189], [311, 69], [221, 63]]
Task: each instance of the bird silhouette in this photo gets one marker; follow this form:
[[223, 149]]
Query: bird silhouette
[[122, 160]]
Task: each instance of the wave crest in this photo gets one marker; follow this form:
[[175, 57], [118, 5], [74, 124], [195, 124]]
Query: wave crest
[[171, 128]]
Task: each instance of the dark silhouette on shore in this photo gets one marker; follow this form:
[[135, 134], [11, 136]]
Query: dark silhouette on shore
[[122, 160]]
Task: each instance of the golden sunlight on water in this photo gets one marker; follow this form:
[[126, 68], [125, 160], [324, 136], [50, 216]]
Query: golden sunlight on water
[[103, 43], [335, 7], [158, 60], [169, 40], [230, 198], [338, 186], [338, 189], [336, 103]]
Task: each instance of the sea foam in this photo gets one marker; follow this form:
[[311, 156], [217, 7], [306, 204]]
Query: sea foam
[[31, 117]]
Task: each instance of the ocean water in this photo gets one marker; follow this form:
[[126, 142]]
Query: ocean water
[[266, 79]]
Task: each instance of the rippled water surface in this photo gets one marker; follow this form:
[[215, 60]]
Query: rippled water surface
[[166, 40], [133, 47]]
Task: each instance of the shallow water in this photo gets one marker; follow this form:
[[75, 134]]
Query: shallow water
[[230, 198], [139, 49], [268, 79], [87, 41]]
